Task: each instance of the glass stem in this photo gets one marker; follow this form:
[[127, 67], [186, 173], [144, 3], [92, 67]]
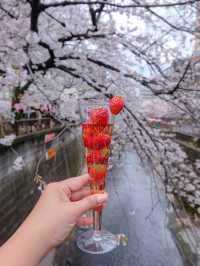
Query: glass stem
[[97, 214], [97, 220]]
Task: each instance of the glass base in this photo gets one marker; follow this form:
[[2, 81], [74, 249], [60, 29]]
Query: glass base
[[97, 242]]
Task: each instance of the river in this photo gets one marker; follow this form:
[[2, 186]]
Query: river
[[137, 210]]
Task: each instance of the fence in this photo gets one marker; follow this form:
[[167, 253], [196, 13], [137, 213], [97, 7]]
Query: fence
[[27, 126]]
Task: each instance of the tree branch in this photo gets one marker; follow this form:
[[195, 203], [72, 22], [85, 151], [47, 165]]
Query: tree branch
[[177, 86], [35, 12], [169, 23], [108, 95], [70, 3], [7, 12], [95, 14], [81, 36], [142, 55], [55, 19]]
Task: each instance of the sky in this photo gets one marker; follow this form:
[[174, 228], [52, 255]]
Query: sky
[[172, 40]]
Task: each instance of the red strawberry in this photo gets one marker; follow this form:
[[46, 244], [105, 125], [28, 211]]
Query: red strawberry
[[97, 156], [94, 157], [96, 142], [97, 172], [88, 141], [107, 130], [88, 129], [99, 129], [116, 105], [99, 116], [102, 141]]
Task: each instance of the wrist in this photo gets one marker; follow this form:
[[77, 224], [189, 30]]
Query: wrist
[[34, 230], [28, 245]]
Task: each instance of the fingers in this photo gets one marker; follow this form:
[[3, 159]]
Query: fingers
[[84, 221], [89, 203], [76, 183], [82, 193]]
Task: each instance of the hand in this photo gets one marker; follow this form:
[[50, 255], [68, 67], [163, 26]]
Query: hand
[[58, 210], [61, 206]]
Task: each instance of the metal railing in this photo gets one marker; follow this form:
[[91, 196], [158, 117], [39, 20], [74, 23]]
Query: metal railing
[[27, 126]]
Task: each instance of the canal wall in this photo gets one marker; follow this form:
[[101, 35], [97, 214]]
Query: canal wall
[[18, 192], [185, 183]]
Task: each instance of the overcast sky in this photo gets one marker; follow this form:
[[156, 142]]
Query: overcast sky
[[172, 40]]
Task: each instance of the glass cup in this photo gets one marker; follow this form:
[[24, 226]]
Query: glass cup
[[97, 125]]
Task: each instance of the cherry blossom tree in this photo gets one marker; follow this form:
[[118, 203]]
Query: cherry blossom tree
[[59, 51]]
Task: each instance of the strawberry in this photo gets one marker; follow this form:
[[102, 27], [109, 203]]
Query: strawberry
[[103, 129], [96, 142], [116, 104], [97, 172], [91, 129], [88, 141], [99, 129], [97, 156], [102, 141], [94, 157], [99, 116], [88, 129], [107, 130]]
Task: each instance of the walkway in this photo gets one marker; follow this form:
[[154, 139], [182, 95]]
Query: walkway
[[132, 197]]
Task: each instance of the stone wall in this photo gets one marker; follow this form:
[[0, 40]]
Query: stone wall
[[187, 186], [18, 192]]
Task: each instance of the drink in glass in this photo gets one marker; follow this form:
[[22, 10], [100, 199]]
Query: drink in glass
[[97, 125]]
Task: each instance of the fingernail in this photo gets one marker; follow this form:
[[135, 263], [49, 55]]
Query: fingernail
[[101, 198]]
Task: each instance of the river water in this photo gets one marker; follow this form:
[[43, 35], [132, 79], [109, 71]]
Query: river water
[[137, 210]]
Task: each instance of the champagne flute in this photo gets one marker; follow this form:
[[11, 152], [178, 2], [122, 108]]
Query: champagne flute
[[97, 124]]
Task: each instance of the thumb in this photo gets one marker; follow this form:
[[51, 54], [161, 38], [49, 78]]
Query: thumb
[[90, 202]]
